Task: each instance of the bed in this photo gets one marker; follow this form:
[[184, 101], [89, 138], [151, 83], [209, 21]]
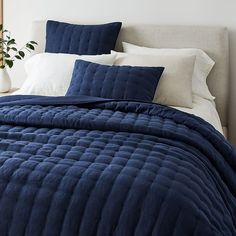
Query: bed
[[85, 166], [215, 43]]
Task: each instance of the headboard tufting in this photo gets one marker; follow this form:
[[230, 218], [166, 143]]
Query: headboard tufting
[[213, 40]]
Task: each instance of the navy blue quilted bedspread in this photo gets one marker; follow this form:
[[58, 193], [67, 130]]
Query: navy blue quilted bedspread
[[78, 166]]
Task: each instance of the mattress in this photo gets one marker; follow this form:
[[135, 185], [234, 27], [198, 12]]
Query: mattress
[[205, 109]]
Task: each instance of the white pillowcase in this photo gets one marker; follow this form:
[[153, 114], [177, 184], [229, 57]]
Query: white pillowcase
[[202, 68], [50, 74], [175, 85]]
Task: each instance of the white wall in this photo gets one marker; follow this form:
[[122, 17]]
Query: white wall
[[20, 14]]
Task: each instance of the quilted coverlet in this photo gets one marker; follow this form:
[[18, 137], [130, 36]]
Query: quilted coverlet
[[86, 166]]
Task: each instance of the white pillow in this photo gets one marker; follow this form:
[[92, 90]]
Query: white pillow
[[202, 68], [175, 85], [49, 74]]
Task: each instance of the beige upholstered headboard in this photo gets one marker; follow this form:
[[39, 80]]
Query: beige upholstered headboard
[[213, 40]]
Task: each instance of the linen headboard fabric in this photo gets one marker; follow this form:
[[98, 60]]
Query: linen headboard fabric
[[213, 40]]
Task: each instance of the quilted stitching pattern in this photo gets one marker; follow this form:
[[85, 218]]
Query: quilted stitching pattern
[[117, 82], [81, 39], [116, 168]]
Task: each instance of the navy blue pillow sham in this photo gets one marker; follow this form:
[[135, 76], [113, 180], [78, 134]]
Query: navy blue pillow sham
[[116, 82], [81, 39]]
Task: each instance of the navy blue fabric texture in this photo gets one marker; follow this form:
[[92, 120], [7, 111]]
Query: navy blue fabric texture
[[81, 39], [117, 82], [84, 166]]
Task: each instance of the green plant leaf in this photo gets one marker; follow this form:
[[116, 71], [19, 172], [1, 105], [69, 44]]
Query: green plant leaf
[[7, 55], [22, 54], [33, 42], [30, 46], [11, 41], [9, 63], [18, 57], [14, 49]]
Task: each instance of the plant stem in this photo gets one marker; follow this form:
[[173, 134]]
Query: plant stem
[[1, 22]]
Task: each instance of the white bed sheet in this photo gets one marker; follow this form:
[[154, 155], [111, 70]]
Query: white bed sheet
[[205, 109]]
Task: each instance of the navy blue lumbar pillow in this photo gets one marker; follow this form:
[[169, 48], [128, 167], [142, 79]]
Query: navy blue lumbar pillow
[[81, 39], [116, 82]]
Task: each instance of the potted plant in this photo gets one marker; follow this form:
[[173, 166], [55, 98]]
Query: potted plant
[[9, 53]]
